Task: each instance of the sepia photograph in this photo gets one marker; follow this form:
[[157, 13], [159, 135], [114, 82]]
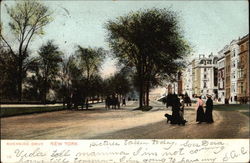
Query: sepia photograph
[[117, 69]]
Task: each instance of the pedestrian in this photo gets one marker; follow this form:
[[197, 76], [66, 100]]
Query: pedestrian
[[181, 112], [186, 99], [117, 102], [123, 102], [107, 102], [169, 100], [235, 99], [175, 110], [200, 116], [189, 101], [209, 110], [226, 100], [112, 102]]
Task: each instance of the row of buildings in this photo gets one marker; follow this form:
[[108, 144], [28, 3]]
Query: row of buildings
[[224, 75]]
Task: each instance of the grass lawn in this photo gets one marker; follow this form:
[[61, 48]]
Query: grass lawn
[[232, 107], [243, 108], [246, 113], [11, 111]]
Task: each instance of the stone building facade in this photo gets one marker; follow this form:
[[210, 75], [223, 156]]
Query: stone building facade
[[187, 80], [221, 75], [243, 68], [234, 51], [224, 76], [204, 75]]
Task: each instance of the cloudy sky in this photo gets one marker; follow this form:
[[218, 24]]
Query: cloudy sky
[[207, 25]]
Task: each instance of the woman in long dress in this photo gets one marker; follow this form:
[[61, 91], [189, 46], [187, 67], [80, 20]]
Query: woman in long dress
[[209, 110], [200, 116], [175, 110]]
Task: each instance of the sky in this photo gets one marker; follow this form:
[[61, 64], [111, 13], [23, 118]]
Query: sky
[[207, 25]]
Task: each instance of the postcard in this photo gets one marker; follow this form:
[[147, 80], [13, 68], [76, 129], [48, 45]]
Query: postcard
[[121, 81]]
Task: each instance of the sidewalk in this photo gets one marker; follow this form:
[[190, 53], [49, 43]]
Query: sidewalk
[[27, 105]]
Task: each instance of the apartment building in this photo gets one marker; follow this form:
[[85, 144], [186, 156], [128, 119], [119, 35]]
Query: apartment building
[[221, 75], [187, 80], [204, 75], [243, 68]]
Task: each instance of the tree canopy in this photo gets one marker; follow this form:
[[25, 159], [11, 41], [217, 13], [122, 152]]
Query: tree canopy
[[89, 63], [150, 40], [27, 20]]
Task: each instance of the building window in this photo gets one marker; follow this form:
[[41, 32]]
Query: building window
[[240, 73], [242, 48], [205, 69], [241, 87], [205, 85], [205, 76], [232, 88], [233, 74]]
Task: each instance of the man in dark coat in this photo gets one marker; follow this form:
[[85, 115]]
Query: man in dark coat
[[209, 110], [169, 100], [175, 111]]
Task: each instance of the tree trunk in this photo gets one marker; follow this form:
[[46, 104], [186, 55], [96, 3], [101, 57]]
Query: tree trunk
[[147, 94], [87, 103], [20, 79], [141, 87], [44, 91], [141, 92], [144, 98]]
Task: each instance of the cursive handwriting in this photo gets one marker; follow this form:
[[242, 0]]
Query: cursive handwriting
[[130, 151]]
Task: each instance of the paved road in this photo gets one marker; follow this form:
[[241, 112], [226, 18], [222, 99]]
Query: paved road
[[124, 123]]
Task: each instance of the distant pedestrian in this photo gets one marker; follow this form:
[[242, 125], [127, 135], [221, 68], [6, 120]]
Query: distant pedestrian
[[182, 107], [209, 110], [200, 116], [226, 101], [187, 100], [235, 99], [117, 103], [107, 102], [123, 102]]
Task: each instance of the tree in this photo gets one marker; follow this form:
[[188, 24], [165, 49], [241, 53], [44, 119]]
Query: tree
[[151, 41], [8, 73], [49, 65], [27, 20], [96, 87], [89, 62], [119, 83], [67, 74], [72, 82]]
